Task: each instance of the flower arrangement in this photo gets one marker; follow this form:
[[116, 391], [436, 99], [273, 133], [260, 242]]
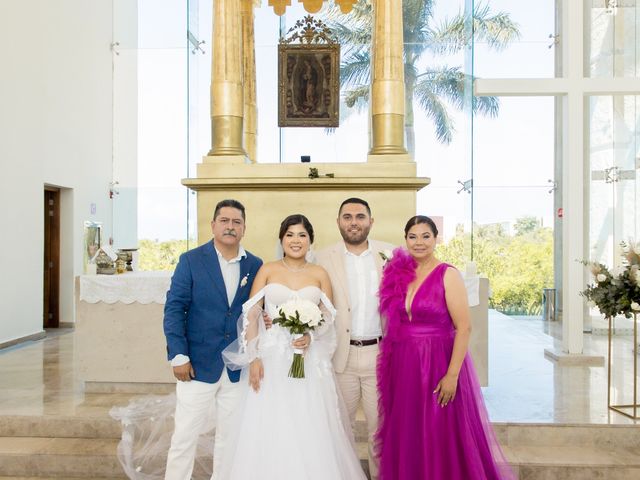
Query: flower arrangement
[[299, 316], [616, 292]]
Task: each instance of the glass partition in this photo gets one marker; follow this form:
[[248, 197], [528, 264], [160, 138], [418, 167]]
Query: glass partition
[[514, 192], [614, 188], [169, 62], [612, 38]]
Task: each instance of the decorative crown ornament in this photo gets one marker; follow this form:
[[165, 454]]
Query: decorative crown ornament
[[309, 30]]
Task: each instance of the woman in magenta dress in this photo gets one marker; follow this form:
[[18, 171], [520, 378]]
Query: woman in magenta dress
[[433, 422]]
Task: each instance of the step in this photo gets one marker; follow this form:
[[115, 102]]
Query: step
[[65, 427], [58, 478], [560, 435], [573, 462], [59, 457]]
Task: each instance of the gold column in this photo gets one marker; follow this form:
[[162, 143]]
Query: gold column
[[249, 66], [387, 80], [227, 104]]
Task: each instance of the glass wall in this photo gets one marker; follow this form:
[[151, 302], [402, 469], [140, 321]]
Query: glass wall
[[513, 202], [612, 41], [612, 38], [531, 54], [150, 131], [173, 130], [614, 188]]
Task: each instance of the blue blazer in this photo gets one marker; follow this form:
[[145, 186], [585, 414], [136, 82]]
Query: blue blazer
[[198, 320]]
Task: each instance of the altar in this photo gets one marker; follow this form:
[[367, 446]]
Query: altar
[[120, 344]]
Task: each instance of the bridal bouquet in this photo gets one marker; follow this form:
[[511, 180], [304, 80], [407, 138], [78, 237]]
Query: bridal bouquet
[[299, 316]]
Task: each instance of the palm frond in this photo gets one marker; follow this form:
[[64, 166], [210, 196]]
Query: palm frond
[[445, 82], [356, 70], [357, 97], [489, 106], [496, 29], [451, 84], [437, 111]]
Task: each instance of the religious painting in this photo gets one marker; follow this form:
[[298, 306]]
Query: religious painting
[[309, 85]]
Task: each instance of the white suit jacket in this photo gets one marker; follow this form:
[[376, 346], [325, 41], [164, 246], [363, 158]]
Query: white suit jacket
[[332, 259]]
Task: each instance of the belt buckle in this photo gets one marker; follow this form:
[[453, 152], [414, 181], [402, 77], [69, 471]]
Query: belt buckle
[[357, 343]]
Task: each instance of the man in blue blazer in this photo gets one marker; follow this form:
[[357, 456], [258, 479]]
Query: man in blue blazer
[[204, 302]]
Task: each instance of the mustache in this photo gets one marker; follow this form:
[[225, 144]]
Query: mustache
[[230, 232]]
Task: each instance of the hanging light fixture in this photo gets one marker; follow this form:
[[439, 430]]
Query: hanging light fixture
[[311, 6]]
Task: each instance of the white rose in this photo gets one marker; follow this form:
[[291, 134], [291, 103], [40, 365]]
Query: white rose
[[635, 306], [308, 311], [635, 247], [638, 278], [591, 304], [601, 277]]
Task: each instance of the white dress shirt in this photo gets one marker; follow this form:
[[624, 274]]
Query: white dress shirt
[[230, 270], [363, 282]]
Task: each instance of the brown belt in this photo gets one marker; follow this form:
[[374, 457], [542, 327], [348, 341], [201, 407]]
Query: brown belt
[[365, 343]]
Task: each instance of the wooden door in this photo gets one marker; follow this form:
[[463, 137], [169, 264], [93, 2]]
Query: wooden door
[[51, 306]]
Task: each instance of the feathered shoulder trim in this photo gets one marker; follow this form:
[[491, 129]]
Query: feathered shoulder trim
[[398, 273]]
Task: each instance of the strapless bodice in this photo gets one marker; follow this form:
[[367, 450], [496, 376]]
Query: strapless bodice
[[276, 294]]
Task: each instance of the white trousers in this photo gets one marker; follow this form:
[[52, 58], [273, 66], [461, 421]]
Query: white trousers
[[358, 384], [195, 403]]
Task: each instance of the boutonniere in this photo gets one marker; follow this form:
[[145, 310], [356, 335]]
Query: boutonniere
[[244, 280], [386, 255]]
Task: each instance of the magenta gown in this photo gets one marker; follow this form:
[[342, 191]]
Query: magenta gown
[[417, 439]]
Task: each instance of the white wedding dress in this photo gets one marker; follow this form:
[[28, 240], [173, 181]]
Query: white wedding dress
[[291, 428]]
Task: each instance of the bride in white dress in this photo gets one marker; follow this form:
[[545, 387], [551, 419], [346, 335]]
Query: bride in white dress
[[288, 428]]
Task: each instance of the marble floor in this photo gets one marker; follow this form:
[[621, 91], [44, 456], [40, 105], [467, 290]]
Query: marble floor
[[40, 378]]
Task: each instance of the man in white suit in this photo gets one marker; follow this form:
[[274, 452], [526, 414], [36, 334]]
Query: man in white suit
[[355, 266]]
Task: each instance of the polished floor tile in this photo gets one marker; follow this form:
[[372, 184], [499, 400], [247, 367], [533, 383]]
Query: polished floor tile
[[40, 378]]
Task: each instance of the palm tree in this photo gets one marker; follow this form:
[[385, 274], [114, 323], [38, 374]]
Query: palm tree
[[434, 88]]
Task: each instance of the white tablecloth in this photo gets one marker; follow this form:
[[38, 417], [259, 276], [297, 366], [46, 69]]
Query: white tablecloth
[[152, 287], [130, 287]]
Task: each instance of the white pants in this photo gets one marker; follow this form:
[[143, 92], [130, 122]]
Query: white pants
[[195, 402], [358, 384]]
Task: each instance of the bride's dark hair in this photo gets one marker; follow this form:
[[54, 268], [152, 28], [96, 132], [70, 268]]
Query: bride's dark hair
[[296, 219]]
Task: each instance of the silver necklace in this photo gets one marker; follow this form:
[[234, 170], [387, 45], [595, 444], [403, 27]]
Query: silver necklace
[[293, 269]]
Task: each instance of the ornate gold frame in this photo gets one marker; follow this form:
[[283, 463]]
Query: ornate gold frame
[[308, 77]]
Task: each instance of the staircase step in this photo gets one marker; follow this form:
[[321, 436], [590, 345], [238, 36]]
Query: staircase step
[[58, 478], [41, 447], [549, 435], [64, 427], [573, 462], [59, 457]]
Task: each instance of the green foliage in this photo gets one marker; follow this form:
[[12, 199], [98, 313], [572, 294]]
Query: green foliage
[[518, 267], [154, 255], [526, 225]]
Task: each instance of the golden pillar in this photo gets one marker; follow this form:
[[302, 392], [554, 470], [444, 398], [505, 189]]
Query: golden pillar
[[249, 67], [227, 104], [387, 82]]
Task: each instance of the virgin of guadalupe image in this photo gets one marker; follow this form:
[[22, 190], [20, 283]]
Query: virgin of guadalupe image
[[307, 92]]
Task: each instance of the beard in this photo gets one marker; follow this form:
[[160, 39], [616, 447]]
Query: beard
[[355, 237]]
